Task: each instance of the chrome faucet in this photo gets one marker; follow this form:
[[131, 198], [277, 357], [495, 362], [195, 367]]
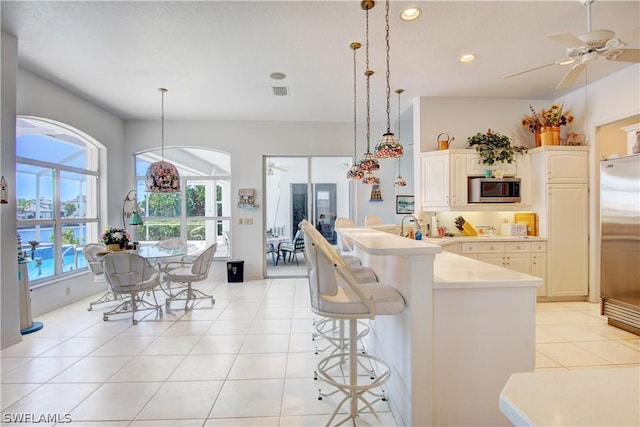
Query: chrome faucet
[[402, 223]]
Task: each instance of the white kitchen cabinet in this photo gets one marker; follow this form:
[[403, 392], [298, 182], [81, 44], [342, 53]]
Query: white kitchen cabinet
[[515, 255], [444, 178], [474, 167], [434, 172], [561, 198], [453, 248], [539, 269], [568, 240]]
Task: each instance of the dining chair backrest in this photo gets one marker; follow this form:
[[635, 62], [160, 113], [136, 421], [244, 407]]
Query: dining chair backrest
[[129, 272], [94, 261], [201, 265]]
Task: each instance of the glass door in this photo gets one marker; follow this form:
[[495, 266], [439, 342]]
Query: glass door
[[297, 188]]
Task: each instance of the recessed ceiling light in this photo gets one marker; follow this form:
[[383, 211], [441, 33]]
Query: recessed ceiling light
[[410, 13], [467, 57], [277, 75]]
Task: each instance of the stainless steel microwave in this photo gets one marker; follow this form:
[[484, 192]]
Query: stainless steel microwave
[[494, 190]]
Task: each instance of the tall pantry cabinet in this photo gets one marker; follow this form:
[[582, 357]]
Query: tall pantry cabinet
[[561, 198]]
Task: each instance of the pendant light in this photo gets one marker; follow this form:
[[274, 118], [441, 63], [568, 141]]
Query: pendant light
[[368, 162], [355, 172], [400, 181], [388, 146], [162, 177]]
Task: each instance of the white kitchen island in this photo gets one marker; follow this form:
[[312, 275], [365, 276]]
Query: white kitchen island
[[467, 327]]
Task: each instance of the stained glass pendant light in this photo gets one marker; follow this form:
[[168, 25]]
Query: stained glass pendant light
[[162, 176], [388, 146], [355, 172], [368, 162], [400, 181]]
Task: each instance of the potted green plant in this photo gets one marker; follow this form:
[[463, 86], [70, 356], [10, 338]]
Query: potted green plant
[[493, 149]]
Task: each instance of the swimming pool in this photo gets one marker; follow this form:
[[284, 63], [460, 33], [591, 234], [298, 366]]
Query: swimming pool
[[42, 266]]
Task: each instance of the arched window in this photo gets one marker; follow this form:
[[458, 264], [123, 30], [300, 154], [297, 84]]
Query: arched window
[[201, 212], [56, 195]]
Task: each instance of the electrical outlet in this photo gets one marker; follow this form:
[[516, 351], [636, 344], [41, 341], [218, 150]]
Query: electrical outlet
[[67, 291]]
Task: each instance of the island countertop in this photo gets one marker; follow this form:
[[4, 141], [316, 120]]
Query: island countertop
[[442, 348]]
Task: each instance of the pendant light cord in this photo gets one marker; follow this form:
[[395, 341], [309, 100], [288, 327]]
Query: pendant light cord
[[368, 74], [399, 91], [355, 46], [162, 91], [388, 68]]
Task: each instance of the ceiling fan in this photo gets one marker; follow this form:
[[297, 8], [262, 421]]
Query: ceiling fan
[[586, 48], [271, 166]]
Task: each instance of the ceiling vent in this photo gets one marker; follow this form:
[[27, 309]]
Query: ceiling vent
[[280, 90]]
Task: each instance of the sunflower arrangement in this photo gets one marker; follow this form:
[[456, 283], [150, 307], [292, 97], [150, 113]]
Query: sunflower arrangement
[[555, 116], [532, 122]]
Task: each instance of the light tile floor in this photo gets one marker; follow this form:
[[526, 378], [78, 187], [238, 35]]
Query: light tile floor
[[246, 361]]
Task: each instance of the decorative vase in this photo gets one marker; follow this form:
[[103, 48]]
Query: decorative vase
[[555, 135], [550, 135], [487, 172], [538, 137], [114, 247]]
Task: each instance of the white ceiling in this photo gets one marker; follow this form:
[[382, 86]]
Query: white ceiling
[[215, 57]]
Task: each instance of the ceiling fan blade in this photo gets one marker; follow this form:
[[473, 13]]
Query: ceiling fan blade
[[624, 55], [539, 67], [571, 76], [566, 39]]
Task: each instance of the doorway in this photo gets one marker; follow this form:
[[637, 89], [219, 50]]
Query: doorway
[[314, 188]]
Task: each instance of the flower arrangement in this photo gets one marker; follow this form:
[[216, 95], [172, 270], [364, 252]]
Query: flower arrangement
[[115, 236], [494, 148], [532, 122], [554, 116]]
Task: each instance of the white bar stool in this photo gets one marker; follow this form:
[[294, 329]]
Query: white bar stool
[[351, 301]]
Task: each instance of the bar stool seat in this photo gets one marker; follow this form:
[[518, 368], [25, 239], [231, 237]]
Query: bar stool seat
[[350, 301]]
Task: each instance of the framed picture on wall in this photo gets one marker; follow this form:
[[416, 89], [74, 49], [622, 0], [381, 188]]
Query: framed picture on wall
[[404, 204]]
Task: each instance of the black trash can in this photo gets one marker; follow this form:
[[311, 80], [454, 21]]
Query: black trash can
[[235, 270]]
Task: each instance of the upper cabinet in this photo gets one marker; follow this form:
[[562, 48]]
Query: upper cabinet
[[444, 178], [561, 165]]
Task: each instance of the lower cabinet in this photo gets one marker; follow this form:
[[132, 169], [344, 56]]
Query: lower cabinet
[[525, 257]]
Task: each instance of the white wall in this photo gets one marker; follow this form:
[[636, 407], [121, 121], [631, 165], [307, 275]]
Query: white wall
[[247, 143], [9, 296]]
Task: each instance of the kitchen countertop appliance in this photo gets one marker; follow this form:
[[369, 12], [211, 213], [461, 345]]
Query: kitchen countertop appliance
[[494, 190], [620, 241]]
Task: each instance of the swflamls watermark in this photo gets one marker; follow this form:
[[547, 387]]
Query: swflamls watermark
[[33, 418]]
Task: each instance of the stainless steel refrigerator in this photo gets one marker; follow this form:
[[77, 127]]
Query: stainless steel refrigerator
[[620, 241]]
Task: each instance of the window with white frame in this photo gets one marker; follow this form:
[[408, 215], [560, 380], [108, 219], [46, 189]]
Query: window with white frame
[[57, 197], [201, 213]]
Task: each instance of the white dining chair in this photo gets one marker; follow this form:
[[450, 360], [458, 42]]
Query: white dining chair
[[132, 277], [187, 273], [93, 253]]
